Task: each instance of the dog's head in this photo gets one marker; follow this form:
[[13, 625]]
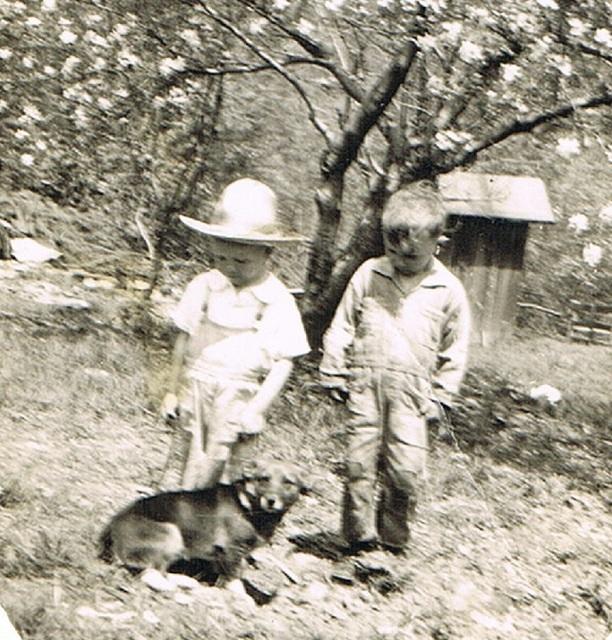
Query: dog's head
[[271, 487]]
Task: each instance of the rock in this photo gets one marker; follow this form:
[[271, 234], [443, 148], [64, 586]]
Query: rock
[[7, 630], [29, 250]]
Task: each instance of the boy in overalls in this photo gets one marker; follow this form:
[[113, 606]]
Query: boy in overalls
[[397, 349], [239, 330]]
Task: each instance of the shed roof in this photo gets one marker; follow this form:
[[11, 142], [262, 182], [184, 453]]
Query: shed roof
[[520, 198]]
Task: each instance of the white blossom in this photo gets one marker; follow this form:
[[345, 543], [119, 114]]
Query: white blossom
[[5, 54], [168, 66], [565, 67], [427, 42], [3, 105], [384, 4], [99, 64], [178, 97], [470, 52], [40, 145], [48, 5], [68, 37], [257, 25], [120, 31], [127, 59], [80, 117], [521, 107], [33, 22], [191, 37], [567, 147], [447, 140], [26, 159], [603, 36], [334, 5], [606, 213], [21, 134], [280, 5], [453, 30], [511, 72], [95, 38], [436, 85], [578, 223], [18, 7], [305, 26], [32, 112], [49, 70], [69, 65], [548, 4], [104, 103], [592, 254], [28, 63], [577, 27], [93, 18]]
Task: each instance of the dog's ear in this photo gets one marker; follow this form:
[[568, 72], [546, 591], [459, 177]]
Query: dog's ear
[[305, 489]]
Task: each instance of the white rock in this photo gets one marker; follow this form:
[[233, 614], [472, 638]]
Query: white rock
[[7, 630], [545, 392], [158, 582], [29, 250]]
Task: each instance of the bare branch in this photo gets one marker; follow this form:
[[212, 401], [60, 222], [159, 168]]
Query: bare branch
[[367, 115], [527, 125], [312, 116]]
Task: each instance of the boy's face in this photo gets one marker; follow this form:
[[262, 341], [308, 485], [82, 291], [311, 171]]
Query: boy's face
[[410, 248], [242, 264]]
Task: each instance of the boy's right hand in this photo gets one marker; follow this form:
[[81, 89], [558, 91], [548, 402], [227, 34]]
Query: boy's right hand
[[336, 387], [170, 407]]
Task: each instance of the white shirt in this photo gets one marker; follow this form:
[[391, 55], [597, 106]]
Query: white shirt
[[240, 331]]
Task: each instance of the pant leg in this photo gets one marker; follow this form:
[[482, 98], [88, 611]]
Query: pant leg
[[199, 469], [363, 447], [227, 449], [404, 460]]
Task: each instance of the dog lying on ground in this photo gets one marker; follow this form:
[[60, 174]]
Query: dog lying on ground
[[206, 532]]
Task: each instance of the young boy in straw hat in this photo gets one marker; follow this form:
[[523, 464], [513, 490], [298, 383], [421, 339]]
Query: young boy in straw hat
[[396, 349], [239, 330]]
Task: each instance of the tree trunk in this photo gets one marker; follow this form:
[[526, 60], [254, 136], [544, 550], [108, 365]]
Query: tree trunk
[[328, 273]]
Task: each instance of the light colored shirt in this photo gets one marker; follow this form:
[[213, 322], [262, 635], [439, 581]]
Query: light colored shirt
[[419, 325], [239, 332]]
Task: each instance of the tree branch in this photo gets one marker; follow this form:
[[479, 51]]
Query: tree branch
[[525, 125], [367, 115], [274, 65]]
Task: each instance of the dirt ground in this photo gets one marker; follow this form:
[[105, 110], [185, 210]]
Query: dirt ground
[[513, 537]]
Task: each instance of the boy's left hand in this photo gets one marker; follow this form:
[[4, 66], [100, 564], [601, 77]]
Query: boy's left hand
[[251, 421]]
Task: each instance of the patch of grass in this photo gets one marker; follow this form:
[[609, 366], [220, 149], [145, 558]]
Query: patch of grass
[[39, 555]]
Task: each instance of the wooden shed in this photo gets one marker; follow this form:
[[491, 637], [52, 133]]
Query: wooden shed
[[490, 215]]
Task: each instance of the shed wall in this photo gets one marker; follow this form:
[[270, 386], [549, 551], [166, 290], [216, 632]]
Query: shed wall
[[487, 255]]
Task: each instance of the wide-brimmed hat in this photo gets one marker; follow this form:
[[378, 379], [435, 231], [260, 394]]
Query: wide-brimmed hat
[[246, 212]]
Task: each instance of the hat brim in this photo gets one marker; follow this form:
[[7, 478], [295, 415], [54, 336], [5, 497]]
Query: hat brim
[[222, 232]]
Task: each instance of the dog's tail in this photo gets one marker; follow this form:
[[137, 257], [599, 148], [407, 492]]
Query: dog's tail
[[105, 544]]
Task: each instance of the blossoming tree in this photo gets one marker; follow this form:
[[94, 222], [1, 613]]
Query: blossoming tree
[[397, 91], [425, 85]]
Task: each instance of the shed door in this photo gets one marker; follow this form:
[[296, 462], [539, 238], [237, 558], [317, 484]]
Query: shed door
[[487, 255]]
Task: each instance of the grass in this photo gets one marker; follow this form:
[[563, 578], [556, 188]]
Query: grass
[[511, 538]]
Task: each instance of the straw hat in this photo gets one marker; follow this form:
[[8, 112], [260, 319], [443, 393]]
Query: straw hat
[[245, 212]]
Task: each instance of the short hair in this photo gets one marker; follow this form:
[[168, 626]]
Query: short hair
[[405, 209]]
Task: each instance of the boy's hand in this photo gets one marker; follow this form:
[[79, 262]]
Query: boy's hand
[[170, 407], [336, 387], [439, 418], [251, 421]]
